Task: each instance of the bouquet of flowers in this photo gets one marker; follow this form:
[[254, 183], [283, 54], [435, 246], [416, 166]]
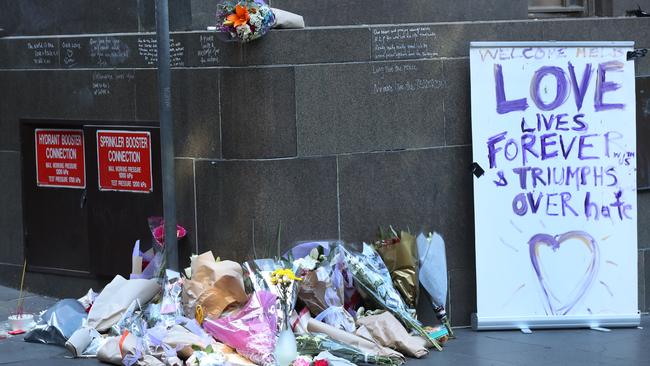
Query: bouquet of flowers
[[313, 344], [258, 276], [244, 20], [251, 331], [433, 274], [400, 254], [322, 289], [372, 279]]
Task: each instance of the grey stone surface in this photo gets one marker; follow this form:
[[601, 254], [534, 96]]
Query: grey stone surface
[[642, 280], [258, 112], [346, 12], [458, 120], [11, 224], [599, 29], [368, 107], [643, 213], [642, 135], [185, 209], [180, 15], [77, 94], [203, 13], [9, 82], [646, 269], [462, 296], [37, 17], [428, 190], [301, 46], [453, 39], [299, 194], [195, 108]]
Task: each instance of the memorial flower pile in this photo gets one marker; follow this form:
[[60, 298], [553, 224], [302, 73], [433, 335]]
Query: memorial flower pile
[[244, 20], [281, 311]]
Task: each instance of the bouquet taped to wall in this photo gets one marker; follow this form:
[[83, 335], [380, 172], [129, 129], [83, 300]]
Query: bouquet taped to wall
[[244, 20]]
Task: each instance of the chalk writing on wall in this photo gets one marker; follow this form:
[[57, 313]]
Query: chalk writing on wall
[[401, 77], [208, 52], [108, 51], [43, 52], [395, 43], [103, 81], [148, 50], [70, 50]]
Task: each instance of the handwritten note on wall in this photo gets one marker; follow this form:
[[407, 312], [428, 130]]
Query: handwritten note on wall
[[554, 129], [396, 43], [148, 50]]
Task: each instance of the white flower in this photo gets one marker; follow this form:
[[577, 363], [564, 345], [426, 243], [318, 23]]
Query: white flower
[[244, 31], [256, 20], [307, 263]]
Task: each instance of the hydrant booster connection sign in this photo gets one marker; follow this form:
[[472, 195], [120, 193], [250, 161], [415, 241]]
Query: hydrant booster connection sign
[[553, 127], [60, 160], [124, 161]]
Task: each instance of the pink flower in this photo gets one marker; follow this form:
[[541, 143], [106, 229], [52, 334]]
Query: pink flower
[[302, 361], [159, 233]]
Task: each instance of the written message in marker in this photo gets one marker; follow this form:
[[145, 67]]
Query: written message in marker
[[124, 161], [554, 129], [60, 158]]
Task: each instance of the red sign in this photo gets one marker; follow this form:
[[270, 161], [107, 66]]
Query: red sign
[[60, 159], [124, 161]]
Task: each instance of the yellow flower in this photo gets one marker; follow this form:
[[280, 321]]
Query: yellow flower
[[283, 275]]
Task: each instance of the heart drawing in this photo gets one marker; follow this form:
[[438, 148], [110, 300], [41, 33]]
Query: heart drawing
[[555, 305]]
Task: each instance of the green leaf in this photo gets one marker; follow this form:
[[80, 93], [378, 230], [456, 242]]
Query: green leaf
[[209, 349]]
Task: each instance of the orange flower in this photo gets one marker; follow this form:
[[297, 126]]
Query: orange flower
[[240, 17]]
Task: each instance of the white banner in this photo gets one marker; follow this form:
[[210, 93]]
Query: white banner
[[553, 126]]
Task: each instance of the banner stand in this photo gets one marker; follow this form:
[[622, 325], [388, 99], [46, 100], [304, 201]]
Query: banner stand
[[555, 212], [557, 322]]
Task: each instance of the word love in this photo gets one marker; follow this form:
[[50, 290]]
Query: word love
[[562, 89]]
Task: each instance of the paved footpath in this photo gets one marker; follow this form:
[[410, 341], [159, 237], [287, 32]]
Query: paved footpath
[[503, 348]]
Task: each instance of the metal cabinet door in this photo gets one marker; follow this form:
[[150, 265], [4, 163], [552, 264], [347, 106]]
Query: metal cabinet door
[[54, 218], [116, 219]]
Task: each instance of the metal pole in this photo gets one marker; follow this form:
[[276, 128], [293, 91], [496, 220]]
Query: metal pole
[[166, 134]]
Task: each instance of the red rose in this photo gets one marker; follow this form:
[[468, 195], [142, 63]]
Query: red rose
[[321, 363]]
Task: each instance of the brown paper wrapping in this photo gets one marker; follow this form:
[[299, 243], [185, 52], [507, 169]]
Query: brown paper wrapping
[[401, 259], [215, 286], [365, 345], [389, 332], [312, 292]]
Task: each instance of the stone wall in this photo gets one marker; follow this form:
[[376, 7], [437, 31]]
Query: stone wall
[[43, 17], [328, 131]]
